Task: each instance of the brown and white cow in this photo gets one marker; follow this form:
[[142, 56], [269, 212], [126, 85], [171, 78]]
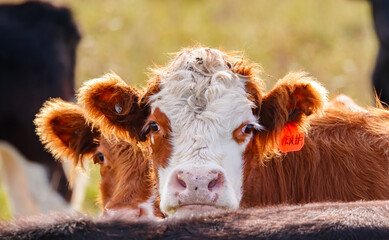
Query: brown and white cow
[[215, 138], [126, 178]]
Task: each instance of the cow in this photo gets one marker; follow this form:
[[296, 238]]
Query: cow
[[355, 220], [126, 182], [37, 60], [217, 142]]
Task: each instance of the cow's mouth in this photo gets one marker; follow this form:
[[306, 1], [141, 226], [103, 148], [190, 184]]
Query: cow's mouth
[[194, 209]]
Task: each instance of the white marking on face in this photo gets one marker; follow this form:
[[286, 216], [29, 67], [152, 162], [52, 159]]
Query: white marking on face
[[205, 102]]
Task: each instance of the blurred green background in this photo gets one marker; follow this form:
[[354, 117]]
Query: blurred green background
[[333, 40]]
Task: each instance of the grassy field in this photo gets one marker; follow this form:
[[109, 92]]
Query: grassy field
[[333, 40]]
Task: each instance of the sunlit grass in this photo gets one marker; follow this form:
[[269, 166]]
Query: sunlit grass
[[5, 212], [91, 204], [333, 40]]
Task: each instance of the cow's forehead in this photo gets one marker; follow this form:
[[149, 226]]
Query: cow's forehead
[[201, 60], [199, 87]]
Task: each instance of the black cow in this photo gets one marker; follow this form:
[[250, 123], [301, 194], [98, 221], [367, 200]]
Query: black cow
[[380, 9], [353, 220], [37, 58]]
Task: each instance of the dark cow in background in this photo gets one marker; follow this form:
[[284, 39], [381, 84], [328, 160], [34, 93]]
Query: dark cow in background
[[37, 59], [357, 220], [380, 9]]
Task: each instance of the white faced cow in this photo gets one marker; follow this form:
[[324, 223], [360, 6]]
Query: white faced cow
[[216, 142]]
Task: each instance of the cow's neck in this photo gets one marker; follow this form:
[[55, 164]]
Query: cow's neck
[[281, 179]]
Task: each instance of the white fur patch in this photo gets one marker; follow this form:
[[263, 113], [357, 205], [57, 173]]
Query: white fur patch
[[144, 210], [205, 102]]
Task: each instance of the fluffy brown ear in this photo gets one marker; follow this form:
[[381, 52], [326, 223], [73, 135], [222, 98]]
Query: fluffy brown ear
[[293, 98], [63, 130], [114, 107]]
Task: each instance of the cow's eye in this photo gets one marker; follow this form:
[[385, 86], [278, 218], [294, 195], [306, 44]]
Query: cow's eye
[[154, 126], [99, 158], [247, 129]]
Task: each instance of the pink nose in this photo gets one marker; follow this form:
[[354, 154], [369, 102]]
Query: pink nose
[[197, 187]]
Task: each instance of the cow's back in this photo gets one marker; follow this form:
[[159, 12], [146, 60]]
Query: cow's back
[[354, 153], [345, 158]]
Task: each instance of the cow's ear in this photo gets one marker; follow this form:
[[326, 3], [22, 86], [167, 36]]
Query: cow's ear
[[114, 107], [62, 128], [293, 98]]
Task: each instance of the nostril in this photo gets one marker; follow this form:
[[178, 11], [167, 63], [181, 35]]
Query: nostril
[[216, 182], [212, 184], [181, 182]]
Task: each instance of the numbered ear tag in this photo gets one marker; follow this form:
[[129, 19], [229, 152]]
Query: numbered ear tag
[[291, 139]]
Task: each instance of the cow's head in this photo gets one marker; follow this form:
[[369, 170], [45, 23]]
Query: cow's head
[[201, 116], [126, 182]]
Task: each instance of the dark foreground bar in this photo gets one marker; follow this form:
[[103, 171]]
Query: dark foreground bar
[[357, 220]]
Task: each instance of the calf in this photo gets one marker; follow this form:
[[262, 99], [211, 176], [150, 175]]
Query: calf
[[217, 142], [126, 178], [359, 220]]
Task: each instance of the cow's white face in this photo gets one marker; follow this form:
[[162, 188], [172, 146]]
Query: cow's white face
[[201, 122]]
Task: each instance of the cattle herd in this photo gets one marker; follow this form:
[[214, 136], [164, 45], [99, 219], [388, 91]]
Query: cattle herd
[[202, 136], [203, 151], [203, 139]]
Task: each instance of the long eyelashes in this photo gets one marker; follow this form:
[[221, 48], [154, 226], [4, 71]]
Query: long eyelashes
[[150, 127], [250, 127]]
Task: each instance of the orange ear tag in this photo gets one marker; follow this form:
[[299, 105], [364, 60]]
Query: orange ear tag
[[291, 139]]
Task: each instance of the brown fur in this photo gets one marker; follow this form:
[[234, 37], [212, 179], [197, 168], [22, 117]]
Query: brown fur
[[292, 99], [345, 158], [254, 85], [129, 173], [126, 176], [62, 128], [103, 97], [161, 148], [238, 135]]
